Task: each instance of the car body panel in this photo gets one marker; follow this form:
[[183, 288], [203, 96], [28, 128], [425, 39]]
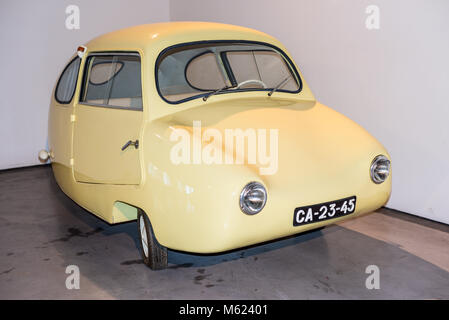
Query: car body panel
[[97, 150]]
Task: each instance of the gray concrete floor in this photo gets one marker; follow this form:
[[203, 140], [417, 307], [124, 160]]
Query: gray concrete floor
[[42, 232]]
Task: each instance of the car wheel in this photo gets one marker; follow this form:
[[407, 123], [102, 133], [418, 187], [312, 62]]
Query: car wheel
[[154, 255]]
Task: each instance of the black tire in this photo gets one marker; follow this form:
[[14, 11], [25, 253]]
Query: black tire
[[155, 257]]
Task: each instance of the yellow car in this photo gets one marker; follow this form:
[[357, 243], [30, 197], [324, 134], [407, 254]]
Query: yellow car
[[209, 136]]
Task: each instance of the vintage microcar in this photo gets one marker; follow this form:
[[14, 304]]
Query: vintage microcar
[[209, 136]]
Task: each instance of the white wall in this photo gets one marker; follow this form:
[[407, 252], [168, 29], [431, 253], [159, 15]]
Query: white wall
[[393, 81], [35, 46]]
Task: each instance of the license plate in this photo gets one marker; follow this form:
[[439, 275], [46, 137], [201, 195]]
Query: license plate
[[324, 211]]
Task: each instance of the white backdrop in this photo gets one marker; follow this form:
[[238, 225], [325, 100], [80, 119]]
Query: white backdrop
[[394, 80], [35, 46]]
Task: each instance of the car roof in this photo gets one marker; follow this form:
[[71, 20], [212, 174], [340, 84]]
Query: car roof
[[169, 33]]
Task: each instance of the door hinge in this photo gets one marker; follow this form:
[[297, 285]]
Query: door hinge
[[72, 118], [71, 161]]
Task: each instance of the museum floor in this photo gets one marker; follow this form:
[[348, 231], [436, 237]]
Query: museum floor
[[42, 232]]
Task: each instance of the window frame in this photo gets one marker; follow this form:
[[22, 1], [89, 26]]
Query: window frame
[[86, 73], [76, 81], [287, 59]]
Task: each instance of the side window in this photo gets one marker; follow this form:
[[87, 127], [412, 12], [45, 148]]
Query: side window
[[67, 82], [113, 81]]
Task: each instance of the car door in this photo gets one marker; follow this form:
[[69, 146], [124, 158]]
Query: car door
[[108, 120]]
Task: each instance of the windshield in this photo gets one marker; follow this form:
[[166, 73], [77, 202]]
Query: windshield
[[193, 71]]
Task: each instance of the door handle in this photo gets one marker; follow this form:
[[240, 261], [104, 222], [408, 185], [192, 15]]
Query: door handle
[[131, 143]]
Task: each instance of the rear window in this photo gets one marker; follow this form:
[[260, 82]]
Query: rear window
[[193, 70], [67, 82]]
